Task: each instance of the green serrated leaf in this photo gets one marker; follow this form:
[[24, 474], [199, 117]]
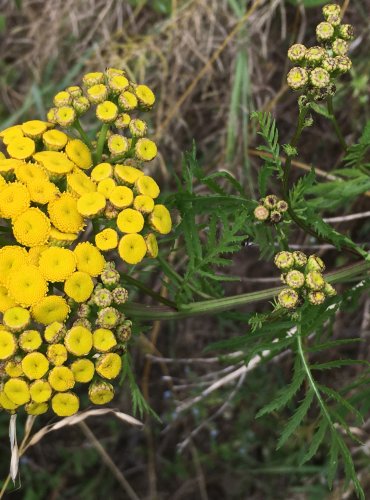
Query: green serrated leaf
[[296, 418], [316, 441]]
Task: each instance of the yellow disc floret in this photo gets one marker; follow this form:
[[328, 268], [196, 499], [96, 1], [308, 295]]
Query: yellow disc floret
[[104, 340], [14, 199], [56, 163], [91, 204], [64, 215], [8, 344], [17, 390], [121, 197], [65, 404], [21, 148], [102, 171], [30, 340], [79, 341], [26, 285], [89, 259], [145, 149], [130, 221], [106, 239], [34, 128], [132, 248], [16, 318], [146, 185], [79, 153], [61, 378], [40, 391], [57, 264], [79, 286], [109, 365], [160, 219], [11, 258], [55, 140], [31, 227], [83, 370], [50, 309], [127, 174], [35, 365]]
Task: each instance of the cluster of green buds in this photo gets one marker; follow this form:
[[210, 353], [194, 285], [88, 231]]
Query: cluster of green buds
[[304, 279], [270, 209], [316, 68]]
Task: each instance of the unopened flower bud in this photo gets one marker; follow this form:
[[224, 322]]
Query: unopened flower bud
[[102, 297], [315, 55], [297, 78], [282, 206], [329, 64], [82, 322], [340, 47], [124, 331], [270, 201], [300, 258], [324, 31], [119, 295], [294, 279], [329, 290], [343, 64], [74, 91], [83, 311], [334, 20], [319, 78], [275, 217], [81, 104], [110, 276], [108, 317], [284, 260], [288, 298], [315, 280], [314, 263], [331, 9], [261, 213], [316, 298], [346, 32], [296, 53]]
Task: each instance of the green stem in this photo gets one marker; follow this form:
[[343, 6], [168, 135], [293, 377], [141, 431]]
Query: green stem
[[227, 303], [80, 130], [335, 124], [148, 291], [101, 141]]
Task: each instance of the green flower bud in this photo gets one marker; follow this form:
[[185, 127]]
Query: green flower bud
[[316, 298], [295, 279], [315, 55], [324, 32], [261, 213], [329, 64], [319, 78], [331, 9], [81, 104], [288, 298], [297, 78], [124, 331], [110, 276], [300, 259], [315, 280], [346, 32], [329, 290], [284, 260], [270, 201], [102, 297], [296, 53], [315, 264], [120, 295], [340, 47], [282, 206], [108, 317], [334, 20], [275, 217], [343, 64]]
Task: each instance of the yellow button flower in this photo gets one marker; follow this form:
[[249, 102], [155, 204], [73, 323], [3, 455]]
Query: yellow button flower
[[79, 341], [64, 215], [91, 204], [26, 285], [65, 116], [8, 344], [34, 128], [14, 199], [61, 378], [42, 192], [17, 390], [21, 148], [101, 171], [57, 354], [104, 340], [11, 133], [122, 121], [57, 264], [118, 83], [54, 332], [145, 96], [160, 219], [132, 248], [34, 254], [89, 259], [127, 174], [106, 240], [11, 258], [16, 318], [130, 221], [109, 365], [121, 197], [145, 149], [31, 227], [6, 403], [79, 286], [97, 93], [65, 404], [55, 140], [30, 340], [127, 101], [58, 238], [106, 186], [146, 185], [93, 78], [35, 365], [83, 370], [50, 309], [35, 409], [101, 392], [117, 144], [40, 391], [107, 111], [27, 172], [151, 245], [138, 128], [13, 368], [55, 162], [79, 183], [144, 203], [79, 153], [62, 98]]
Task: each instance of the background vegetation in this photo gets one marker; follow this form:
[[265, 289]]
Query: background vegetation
[[210, 65]]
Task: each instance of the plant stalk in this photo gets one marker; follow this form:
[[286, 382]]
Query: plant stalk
[[101, 141], [80, 130], [335, 124]]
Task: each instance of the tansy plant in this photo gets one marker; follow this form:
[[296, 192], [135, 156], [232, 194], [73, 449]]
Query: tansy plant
[[78, 210]]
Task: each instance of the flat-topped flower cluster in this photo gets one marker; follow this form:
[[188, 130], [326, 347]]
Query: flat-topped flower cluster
[[60, 294]]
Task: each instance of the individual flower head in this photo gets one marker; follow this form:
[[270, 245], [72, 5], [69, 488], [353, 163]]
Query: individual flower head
[[79, 286], [145, 149], [151, 245], [83, 370], [104, 340], [145, 96], [284, 260], [107, 111], [14, 199], [343, 64], [61, 378], [127, 101], [101, 171], [64, 215], [340, 47], [89, 259], [50, 309], [109, 365], [106, 240], [118, 144], [34, 128], [108, 317], [296, 53], [32, 227], [130, 221], [79, 153], [35, 365], [65, 116], [319, 78], [16, 318], [288, 298], [62, 98], [297, 78], [101, 392], [21, 148], [91, 204], [57, 264], [30, 340], [78, 341], [160, 219], [346, 32], [315, 55], [40, 391], [324, 31], [26, 285], [17, 390], [97, 93], [8, 344], [331, 9], [65, 404]]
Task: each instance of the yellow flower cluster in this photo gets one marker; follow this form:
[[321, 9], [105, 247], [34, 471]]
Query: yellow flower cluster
[[60, 323]]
